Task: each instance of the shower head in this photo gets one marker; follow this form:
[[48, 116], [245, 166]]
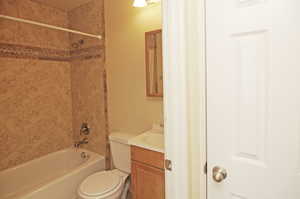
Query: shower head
[[81, 41]]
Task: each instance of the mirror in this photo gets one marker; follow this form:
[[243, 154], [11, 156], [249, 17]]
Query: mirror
[[154, 63]]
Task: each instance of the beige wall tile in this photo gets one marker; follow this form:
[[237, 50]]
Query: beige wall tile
[[8, 7], [88, 18], [88, 101], [87, 76], [36, 111], [32, 35], [42, 101]]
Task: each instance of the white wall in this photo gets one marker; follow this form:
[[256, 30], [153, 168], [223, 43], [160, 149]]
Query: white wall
[[129, 108]]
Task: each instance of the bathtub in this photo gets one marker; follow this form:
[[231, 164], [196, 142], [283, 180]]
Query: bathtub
[[54, 176]]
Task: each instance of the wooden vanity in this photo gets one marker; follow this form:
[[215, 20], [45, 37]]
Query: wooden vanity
[[147, 174]]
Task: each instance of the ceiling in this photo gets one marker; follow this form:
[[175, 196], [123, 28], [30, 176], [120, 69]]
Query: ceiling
[[66, 5]]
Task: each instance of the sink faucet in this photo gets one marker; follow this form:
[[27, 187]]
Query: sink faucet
[[79, 143]]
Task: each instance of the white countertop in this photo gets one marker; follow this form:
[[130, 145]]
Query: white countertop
[[151, 140]]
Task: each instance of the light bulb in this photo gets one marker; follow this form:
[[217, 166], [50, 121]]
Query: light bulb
[[139, 3]]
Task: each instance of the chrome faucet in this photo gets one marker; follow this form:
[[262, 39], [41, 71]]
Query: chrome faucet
[[79, 143]]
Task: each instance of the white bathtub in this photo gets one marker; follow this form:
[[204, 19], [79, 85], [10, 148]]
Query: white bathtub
[[54, 176]]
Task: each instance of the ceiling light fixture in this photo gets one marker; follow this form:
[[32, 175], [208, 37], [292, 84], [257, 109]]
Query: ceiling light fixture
[[143, 3], [139, 3]]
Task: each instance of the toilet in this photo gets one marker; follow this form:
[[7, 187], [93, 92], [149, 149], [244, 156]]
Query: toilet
[[109, 184]]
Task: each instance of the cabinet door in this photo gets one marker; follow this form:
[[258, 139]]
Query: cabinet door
[[147, 182]]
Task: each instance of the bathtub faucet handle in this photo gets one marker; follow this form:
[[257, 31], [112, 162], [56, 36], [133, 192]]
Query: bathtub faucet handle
[[85, 141], [85, 129]]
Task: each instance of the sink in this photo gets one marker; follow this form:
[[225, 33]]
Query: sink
[[149, 140], [154, 139]]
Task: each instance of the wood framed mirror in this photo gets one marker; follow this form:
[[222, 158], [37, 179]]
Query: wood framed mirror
[[154, 63]]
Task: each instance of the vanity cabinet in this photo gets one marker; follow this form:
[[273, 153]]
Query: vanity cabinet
[[147, 174]]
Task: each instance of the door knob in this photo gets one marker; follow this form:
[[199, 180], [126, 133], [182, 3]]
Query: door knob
[[219, 174]]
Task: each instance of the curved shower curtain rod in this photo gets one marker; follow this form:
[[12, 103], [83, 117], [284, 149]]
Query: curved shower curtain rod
[[49, 26]]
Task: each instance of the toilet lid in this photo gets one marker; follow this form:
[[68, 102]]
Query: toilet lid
[[99, 183]]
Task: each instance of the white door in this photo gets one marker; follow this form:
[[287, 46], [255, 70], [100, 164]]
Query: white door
[[253, 98]]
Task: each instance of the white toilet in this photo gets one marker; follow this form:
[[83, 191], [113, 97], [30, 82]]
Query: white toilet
[[109, 184]]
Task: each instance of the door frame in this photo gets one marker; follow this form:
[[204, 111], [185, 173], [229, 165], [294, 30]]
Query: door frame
[[185, 97]]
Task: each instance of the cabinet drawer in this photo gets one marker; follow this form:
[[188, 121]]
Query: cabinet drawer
[[152, 158]]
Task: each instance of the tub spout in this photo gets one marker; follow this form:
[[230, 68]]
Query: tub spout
[[82, 142]]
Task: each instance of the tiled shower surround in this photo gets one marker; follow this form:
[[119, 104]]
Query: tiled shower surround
[[48, 85]]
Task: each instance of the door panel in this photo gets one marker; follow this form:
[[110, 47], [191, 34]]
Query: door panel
[[253, 98]]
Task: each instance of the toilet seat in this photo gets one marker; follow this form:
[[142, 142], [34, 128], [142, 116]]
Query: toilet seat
[[100, 184]]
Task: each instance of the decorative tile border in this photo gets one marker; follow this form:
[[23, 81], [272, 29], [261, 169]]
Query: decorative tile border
[[87, 53], [30, 52]]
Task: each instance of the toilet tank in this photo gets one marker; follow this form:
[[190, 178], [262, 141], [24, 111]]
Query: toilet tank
[[120, 150]]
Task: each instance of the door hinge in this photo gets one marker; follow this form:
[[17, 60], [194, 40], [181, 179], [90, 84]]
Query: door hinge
[[205, 168], [168, 165]]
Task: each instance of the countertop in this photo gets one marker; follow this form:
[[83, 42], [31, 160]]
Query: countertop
[[152, 140]]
